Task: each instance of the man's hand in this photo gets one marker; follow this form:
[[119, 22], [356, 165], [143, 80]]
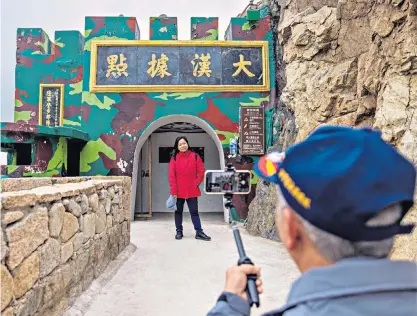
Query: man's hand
[[174, 196], [236, 279]]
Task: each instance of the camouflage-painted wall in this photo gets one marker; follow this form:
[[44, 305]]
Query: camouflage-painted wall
[[38, 61], [114, 121], [48, 149]]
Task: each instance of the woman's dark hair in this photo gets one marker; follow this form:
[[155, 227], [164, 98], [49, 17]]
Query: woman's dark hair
[[176, 151]]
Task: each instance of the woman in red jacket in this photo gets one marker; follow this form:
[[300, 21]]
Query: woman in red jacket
[[186, 172]]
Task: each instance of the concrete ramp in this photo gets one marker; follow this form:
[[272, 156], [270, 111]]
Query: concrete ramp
[[165, 276]]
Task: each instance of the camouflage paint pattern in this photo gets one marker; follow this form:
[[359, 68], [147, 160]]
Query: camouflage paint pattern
[[205, 29], [49, 149], [163, 28], [115, 121], [42, 61]]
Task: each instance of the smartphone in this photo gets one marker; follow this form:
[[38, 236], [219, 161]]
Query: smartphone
[[221, 182]]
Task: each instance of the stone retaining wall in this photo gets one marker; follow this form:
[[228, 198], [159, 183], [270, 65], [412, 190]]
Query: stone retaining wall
[[57, 236]]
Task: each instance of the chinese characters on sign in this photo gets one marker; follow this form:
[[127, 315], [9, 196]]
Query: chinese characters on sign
[[252, 130], [137, 68], [158, 67], [203, 66], [50, 105], [242, 66], [116, 69]]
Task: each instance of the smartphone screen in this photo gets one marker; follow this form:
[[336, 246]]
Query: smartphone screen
[[221, 182]]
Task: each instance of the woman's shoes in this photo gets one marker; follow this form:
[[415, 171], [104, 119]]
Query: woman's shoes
[[198, 235], [202, 236]]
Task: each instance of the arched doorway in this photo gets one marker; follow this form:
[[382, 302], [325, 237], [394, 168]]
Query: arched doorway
[[143, 141]]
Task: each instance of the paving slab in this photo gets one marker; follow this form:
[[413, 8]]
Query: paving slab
[[164, 276]]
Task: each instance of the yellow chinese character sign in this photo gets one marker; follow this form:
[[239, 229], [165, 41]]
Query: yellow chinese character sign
[[117, 66], [158, 67], [51, 105], [142, 66], [241, 65], [201, 65]]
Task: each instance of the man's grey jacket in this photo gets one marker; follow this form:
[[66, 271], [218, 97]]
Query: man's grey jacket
[[354, 286]]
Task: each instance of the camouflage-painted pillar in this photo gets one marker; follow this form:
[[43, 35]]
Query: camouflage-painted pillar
[[70, 43], [101, 28], [205, 29], [69, 47], [241, 29], [163, 28], [33, 52]]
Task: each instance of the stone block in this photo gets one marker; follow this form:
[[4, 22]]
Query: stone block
[[74, 208], [103, 194], [56, 219], [87, 278], [17, 199], [10, 185], [78, 240], [69, 227], [26, 274], [111, 192], [58, 309], [8, 312], [50, 253], [6, 287], [107, 205], [84, 204], [109, 221], [93, 200], [89, 226], [53, 285], [11, 217], [74, 292], [24, 237], [81, 263], [101, 220], [124, 228], [30, 302], [66, 251], [3, 248]]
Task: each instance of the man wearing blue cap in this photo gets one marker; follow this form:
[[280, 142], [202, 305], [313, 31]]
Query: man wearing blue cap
[[342, 194]]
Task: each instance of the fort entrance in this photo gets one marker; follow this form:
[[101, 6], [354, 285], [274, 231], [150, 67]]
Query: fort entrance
[[152, 156]]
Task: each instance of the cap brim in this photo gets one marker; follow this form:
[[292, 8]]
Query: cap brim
[[268, 166]]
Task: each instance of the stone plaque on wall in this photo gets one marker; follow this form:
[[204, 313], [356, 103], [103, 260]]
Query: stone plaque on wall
[[252, 130], [51, 104], [141, 66]]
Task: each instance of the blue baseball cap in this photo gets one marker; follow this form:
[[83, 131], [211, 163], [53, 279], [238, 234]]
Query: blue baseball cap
[[339, 177]]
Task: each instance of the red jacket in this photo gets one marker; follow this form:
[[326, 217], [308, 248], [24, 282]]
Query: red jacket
[[185, 175]]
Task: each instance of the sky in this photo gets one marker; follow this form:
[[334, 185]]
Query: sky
[[57, 15]]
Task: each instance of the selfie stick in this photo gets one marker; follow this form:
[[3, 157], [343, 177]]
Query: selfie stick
[[251, 291]]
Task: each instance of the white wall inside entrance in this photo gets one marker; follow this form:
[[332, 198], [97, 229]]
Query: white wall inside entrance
[[154, 126], [160, 185]]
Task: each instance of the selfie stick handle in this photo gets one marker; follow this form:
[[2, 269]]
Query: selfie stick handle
[[251, 291]]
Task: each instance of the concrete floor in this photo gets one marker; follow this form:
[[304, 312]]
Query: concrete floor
[[184, 277]]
